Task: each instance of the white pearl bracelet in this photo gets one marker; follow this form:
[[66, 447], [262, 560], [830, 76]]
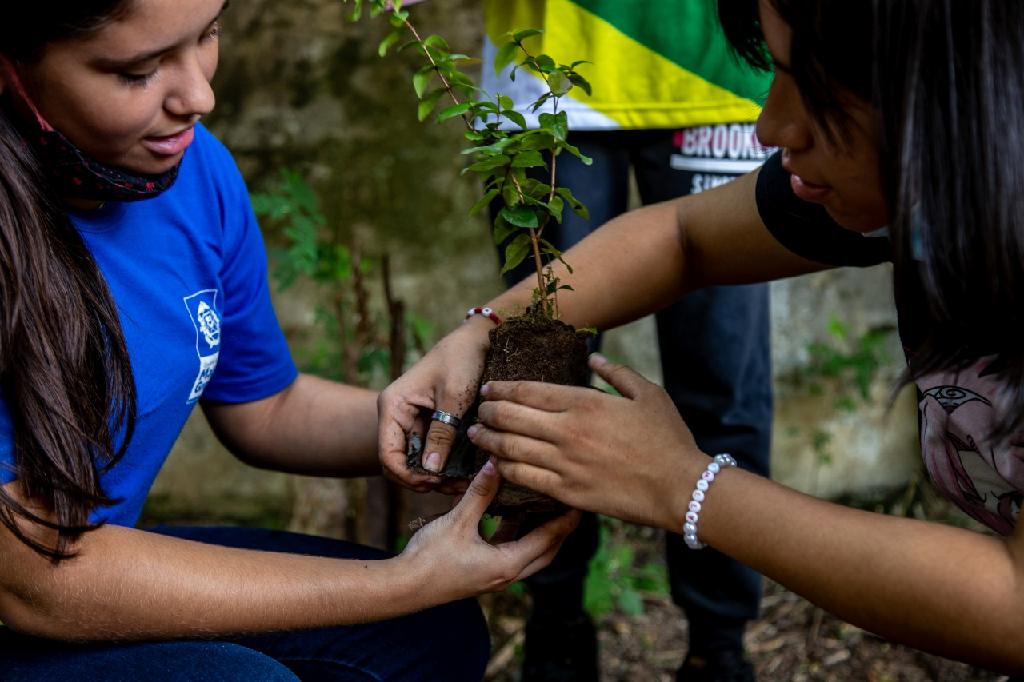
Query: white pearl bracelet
[[720, 462]]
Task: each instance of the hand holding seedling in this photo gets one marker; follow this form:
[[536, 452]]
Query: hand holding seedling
[[445, 379], [622, 455], [450, 557]]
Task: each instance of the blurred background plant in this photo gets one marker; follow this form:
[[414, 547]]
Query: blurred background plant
[[363, 336]]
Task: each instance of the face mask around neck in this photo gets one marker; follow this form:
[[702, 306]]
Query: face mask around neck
[[73, 173]]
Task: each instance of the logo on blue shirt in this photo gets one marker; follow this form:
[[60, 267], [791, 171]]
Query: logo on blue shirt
[[202, 308]]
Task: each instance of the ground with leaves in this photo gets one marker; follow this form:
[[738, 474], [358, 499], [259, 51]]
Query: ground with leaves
[[643, 634]]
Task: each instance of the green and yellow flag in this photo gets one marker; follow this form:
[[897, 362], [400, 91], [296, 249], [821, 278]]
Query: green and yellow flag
[[654, 63]]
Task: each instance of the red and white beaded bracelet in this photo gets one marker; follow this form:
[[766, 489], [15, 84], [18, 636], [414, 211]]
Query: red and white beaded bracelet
[[486, 312]]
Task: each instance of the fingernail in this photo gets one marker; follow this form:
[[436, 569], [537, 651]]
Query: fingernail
[[596, 360], [488, 468], [473, 430], [485, 389], [432, 462]]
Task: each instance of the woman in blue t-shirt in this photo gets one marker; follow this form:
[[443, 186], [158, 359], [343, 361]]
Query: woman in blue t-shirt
[[132, 287], [900, 127]]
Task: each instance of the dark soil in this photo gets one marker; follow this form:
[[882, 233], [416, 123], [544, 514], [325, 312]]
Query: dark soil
[[529, 347]]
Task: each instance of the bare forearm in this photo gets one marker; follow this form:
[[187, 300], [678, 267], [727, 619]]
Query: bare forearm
[[947, 590], [314, 427], [129, 584], [645, 259]]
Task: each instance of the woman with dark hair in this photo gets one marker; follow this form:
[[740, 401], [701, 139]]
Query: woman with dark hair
[[132, 287], [900, 126]]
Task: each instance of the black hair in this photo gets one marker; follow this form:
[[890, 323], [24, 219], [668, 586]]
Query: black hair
[[65, 372], [946, 80]]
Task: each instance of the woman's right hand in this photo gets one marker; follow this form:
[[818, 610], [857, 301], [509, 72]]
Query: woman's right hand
[[451, 561], [447, 378]]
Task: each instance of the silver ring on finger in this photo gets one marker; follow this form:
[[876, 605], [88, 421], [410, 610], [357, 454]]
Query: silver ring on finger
[[446, 418]]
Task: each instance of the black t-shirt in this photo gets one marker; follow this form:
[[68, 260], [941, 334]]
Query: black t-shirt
[[957, 408], [806, 229]]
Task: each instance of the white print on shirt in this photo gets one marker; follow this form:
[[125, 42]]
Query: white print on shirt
[[202, 309], [702, 182], [727, 148]]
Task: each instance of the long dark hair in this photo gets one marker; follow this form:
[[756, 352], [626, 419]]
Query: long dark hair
[[64, 366], [946, 79]]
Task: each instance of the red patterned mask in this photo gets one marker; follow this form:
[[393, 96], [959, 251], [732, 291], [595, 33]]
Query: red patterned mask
[[73, 173]]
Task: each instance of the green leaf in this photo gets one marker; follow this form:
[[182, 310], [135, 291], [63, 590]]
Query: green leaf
[[436, 42], [577, 207], [509, 193], [421, 79], [556, 206], [540, 102], [586, 160], [506, 102], [537, 139], [390, 40], [428, 103], [580, 82], [528, 159], [461, 80], [453, 111], [504, 56], [559, 83], [556, 124], [515, 117], [494, 148], [490, 163], [484, 201], [545, 63], [520, 216], [520, 36], [516, 252], [502, 230]]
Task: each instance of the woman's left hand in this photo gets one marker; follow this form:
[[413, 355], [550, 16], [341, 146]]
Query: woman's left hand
[[629, 456]]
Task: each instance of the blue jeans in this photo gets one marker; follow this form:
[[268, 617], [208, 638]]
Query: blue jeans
[[716, 363], [448, 642]]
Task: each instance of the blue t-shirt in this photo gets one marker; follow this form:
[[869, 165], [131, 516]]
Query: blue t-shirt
[[188, 271]]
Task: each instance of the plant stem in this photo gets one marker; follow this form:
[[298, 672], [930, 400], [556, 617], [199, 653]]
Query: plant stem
[[534, 242], [444, 81]]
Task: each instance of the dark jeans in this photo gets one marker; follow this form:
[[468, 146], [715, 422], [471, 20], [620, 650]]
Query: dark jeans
[[448, 642], [716, 361]]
